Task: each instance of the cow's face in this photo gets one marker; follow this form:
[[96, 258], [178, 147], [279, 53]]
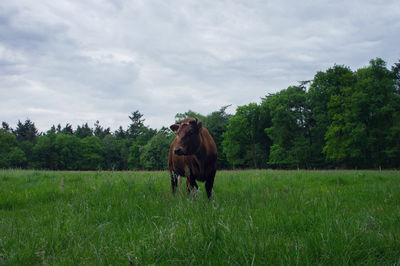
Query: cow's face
[[188, 131]]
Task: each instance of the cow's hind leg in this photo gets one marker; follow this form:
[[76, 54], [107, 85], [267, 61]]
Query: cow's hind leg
[[174, 181]]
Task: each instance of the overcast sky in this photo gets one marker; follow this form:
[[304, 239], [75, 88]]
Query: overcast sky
[[86, 60]]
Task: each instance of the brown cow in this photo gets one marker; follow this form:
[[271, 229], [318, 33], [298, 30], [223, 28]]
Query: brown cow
[[193, 154]]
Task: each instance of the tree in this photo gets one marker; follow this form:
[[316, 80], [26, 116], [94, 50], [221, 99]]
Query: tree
[[17, 158], [6, 127], [244, 141], [99, 131], [83, 131], [121, 133], [396, 77], [44, 155], [154, 155], [289, 129], [52, 130], [136, 125], [363, 116], [324, 86], [393, 138], [58, 129], [217, 123], [125, 144], [26, 147], [10, 154], [26, 131], [68, 149], [67, 130], [91, 154], [26, 134], [135, 150], [112, 149]]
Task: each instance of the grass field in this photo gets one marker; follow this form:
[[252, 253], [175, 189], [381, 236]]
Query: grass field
[[256, 217]]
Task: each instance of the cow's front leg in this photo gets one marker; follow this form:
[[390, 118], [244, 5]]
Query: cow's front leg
[[174, 181], [190, 184], [209, 185]]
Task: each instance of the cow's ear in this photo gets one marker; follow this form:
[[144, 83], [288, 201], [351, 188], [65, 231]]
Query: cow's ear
[[174, 127], [199, 125]]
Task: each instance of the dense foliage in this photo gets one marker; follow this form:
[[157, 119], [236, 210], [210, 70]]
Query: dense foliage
[[342, 118]]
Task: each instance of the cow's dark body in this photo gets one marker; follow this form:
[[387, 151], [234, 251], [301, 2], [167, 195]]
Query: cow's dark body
[[193, 154]]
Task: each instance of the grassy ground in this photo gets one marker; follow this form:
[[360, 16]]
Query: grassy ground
[[255, 217]]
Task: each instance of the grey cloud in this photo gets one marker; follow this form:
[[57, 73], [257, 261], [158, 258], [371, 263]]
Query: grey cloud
[[87, 60]]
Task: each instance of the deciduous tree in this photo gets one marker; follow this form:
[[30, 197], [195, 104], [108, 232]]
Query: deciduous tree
[[10, 154], [154, 155], [363, 118], [244, 140], [91, 154], [289, 130]]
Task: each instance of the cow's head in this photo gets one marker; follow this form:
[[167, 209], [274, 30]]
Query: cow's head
[[188, 131]]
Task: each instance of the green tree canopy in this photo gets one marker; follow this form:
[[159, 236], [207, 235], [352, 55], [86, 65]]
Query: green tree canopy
[[217, 123], [324, 86], [26, 131], [363, 117], [100, 131], [83, 131], [10, 154], [91, 154], [44, 155], [154, 155], [244, 140], [6, 127], [67, 130], [136, 126], [136, 149], [69, 153], [113, 152], [289, 130]]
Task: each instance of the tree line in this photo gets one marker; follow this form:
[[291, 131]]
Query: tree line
[[341, 118], [138, 147]]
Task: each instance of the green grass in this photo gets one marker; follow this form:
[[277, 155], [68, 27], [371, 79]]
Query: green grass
[[255, 217]]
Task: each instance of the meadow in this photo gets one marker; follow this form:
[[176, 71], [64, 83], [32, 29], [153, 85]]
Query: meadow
[[256, 217]]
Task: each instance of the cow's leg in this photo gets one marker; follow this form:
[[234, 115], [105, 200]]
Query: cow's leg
[[179, 183], [187, 185], [190, 184], [209, 185], [193, 183], [174, 181]]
